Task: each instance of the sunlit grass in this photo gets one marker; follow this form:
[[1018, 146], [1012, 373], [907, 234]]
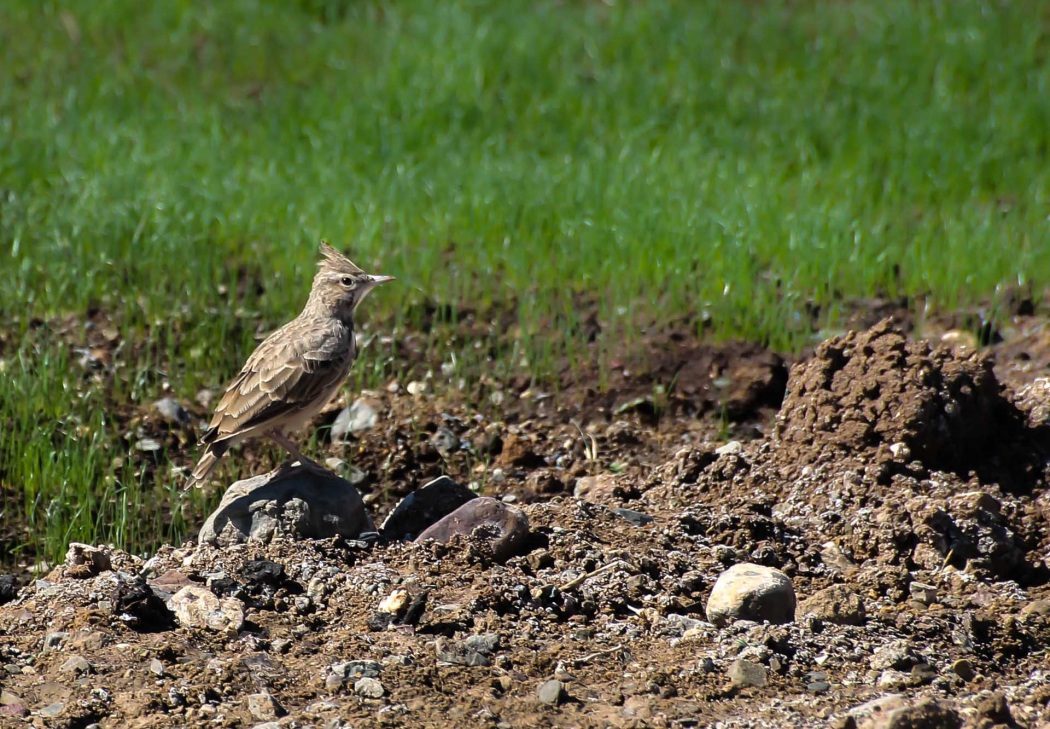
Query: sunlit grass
[[175, 165]]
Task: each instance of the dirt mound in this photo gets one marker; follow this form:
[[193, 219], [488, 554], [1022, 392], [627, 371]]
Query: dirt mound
[[896, 451], [874, 394]]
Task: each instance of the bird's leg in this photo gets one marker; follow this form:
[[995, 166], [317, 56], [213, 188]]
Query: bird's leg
[[285, 442]]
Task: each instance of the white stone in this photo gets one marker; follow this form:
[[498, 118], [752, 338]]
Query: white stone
[[751, 592], [197, 607]]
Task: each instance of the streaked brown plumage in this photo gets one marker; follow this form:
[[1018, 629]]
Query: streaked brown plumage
[[296, 370]]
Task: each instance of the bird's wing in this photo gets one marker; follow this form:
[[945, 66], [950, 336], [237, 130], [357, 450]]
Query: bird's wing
[[289, 371]]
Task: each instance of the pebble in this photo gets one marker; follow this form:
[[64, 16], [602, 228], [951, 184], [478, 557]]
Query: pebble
[[507, 529], [416, 387], [964, 669], [730, 449], [837, 604], [52, 710], [743, 673], [444, 441], [84, 560], [156, 667], [8, 589], [636, 518], [53, 641], [75, 664], [172, 411], [197, 607], [358, 417], [370, 688], [897, 654], [476, 650], [349, 670], [264, 707], [926, 594], [749, 591], [551, 692]]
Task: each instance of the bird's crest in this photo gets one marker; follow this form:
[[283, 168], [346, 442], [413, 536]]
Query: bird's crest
[[335, 261]]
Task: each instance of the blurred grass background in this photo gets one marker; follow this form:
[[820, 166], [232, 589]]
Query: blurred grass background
[[175, 164]]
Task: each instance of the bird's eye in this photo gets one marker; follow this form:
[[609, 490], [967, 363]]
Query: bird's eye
[[347, 281]]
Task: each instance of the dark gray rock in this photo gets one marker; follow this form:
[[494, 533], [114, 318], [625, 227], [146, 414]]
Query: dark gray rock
[[138, 606], [293, 501], [636, 518], [8, 589], [425, 506], [504, 529]]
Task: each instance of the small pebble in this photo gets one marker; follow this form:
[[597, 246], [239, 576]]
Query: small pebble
[[370, 688], [964, 670], [731, 448], [743, 673], [76, 664], [52, 710]]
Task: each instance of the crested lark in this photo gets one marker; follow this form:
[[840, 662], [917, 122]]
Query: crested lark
[[296, 370]]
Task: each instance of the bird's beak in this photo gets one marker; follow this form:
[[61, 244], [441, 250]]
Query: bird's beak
[[376, 280]]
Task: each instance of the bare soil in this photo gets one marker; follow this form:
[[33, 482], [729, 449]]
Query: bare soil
[[898, 461]]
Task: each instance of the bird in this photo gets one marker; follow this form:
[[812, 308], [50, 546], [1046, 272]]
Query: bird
[[296, 370]]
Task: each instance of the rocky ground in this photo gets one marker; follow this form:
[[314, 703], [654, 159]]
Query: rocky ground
[[703, 542]]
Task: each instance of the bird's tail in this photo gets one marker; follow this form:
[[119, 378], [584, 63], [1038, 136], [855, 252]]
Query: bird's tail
[[206, 464]]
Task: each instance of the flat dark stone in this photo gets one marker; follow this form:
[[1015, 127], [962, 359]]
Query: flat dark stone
[[634, 517], [8, 589], [502, 528], [423, 507]]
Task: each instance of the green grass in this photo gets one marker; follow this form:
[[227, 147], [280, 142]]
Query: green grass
[[736, 160]]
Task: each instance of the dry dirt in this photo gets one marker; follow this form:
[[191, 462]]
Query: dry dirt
[[913, 476]]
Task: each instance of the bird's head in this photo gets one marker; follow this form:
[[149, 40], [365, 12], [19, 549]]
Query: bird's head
[[339, 285]]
